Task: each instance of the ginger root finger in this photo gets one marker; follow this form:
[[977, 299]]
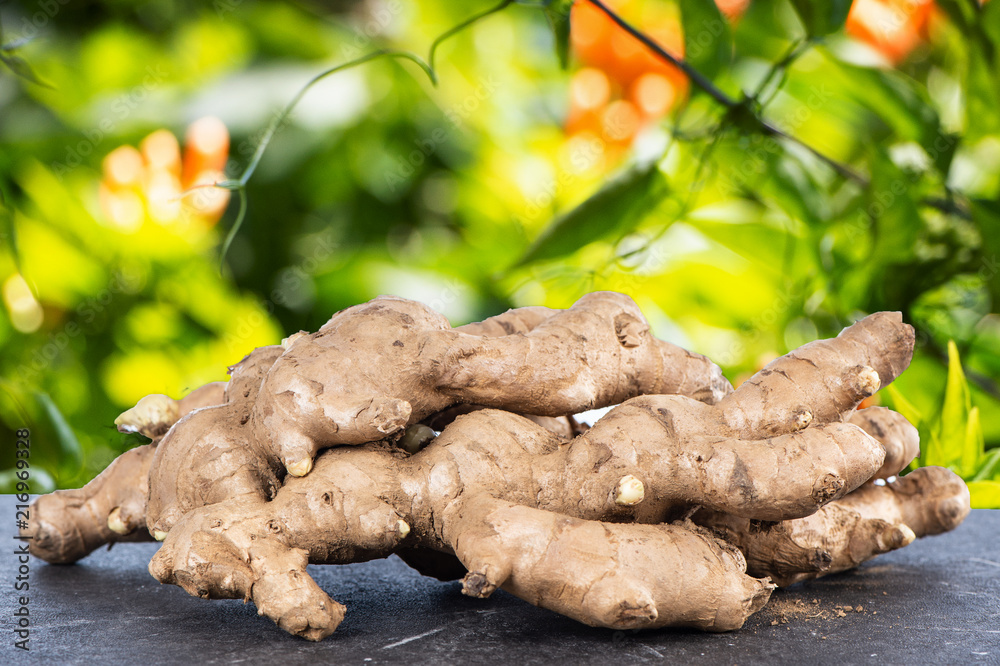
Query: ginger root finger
[[597, 353], [520, 320], [210, 455], [682, 466], [322, 392], [214, 556], [607, 575], [872, 520], [70, 524], [823, 381], [154, 414], [897, 436]]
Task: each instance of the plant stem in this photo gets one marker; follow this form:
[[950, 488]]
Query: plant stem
[[462, 26], [699, 79], [722, 98]]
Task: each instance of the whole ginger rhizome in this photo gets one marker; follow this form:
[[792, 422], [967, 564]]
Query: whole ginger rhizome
[[388, 431]]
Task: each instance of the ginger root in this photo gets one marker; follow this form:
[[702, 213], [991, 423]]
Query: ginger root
[[390, 432], [376, 368]]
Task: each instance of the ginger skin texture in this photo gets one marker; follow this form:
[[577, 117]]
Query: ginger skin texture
[[71, 524], [678, 508], [376, 368]]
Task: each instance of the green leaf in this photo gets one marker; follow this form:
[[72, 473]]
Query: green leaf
[[41, 481], [16, 44], [903, 106], [904, 406], [21, 68], [68, 443], [986, 214], [821, 17], [974, 447], [8, 232], [558, 14], [615, 209], [985, 494], [892, 203], [990, 469], [989, 20], [755, 238], [949, 435], [708, 40]]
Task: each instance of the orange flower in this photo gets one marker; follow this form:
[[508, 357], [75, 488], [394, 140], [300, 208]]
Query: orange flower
[[892, 27], [147, 183], [622, 86]]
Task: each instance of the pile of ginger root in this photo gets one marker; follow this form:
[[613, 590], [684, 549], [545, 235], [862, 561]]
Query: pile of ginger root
[[390, 432]]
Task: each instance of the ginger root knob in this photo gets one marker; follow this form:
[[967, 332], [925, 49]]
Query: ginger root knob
[[630, 491]]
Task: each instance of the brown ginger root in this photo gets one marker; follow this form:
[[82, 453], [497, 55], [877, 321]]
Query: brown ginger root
[[323, 389], [872, 520], [211, 454], [154, 414], [899, 439], [71, 524], [579, 526]]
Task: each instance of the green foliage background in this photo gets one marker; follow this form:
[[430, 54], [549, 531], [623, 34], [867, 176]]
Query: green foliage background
[[736, 242]]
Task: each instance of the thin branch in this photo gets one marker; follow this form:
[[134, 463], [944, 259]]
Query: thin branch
[[700, 80], [240, 184], [281, 117], [241, 191], [462, 26], [795, 51], [722, 98]]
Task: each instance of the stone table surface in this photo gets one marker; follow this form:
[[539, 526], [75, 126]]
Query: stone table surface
[[936, 601]]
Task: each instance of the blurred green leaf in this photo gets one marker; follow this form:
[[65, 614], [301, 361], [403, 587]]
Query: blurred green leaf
[[987, 214], [904, 406], [960, 11], [985, 494], [16, 44], [974, 446], [69, 445], [21, 68], [990, 469], [952, 426], [708, 40], [41, 481], [558, 14], [789, 186], [989, 20], [892, 204], [614, 210], [8, 232], [982, 90], [759, 240], [898, 101], [822, 17]]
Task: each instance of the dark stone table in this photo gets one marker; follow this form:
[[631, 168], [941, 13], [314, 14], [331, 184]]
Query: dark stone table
[[936, 601]]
